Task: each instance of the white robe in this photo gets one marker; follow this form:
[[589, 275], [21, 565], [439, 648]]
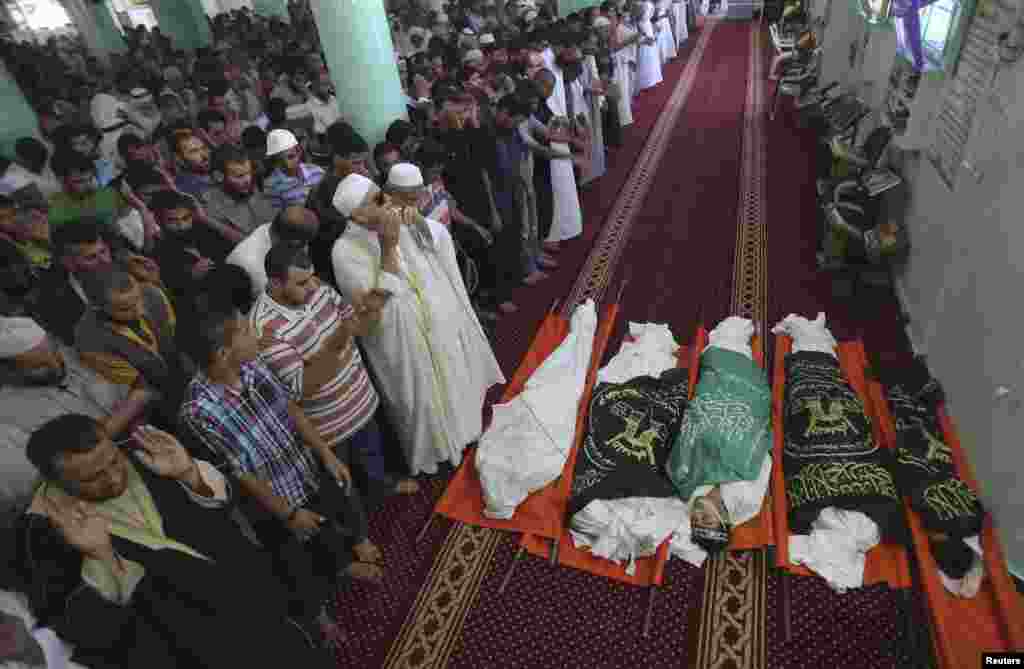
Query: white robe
[[557, 100], [648, 69], [624, 76], [596, 168], [682, 30], [433, 362], [666, 39], [567, 218]]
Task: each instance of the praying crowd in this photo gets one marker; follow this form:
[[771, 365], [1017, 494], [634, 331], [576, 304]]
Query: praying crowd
[[225, 316]]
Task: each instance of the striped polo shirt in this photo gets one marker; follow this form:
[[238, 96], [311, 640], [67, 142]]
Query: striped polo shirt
[[341, 406]]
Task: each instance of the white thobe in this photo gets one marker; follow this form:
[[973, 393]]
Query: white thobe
[[666, 39], [557, 100], [567, 219], [624, 75], [595, 104], [433, 362], [648, 68], [682, 30]]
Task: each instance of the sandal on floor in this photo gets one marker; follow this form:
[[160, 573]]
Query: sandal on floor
[[366, 572], [372, 555], [407, 487]]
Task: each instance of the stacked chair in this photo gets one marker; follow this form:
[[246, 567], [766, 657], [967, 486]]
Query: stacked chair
[[857, 246]]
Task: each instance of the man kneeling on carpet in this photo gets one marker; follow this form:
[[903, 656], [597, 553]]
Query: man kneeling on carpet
[[136, 562], [840, 489], [247, 418]]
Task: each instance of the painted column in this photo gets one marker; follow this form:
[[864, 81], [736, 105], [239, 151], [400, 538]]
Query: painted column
[[108, 37], [17, 118], [356, 39], [95, 24], [271, 8], [184, 21]]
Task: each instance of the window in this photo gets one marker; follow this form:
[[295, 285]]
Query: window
[[938, 21], [937, 25]]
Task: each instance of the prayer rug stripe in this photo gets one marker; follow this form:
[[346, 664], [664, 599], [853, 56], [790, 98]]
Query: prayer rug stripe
[[437, 616], [732, 622], [733, 619]]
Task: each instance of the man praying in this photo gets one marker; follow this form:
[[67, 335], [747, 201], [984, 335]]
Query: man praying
[[432, 359]]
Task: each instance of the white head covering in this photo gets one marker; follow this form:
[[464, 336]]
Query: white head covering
[[485, 39], [19, 335], [279, 141], [601, 22], [352, 192], [404, 177], [530, 16]]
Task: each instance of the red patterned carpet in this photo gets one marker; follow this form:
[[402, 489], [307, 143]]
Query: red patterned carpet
[[441, 605]]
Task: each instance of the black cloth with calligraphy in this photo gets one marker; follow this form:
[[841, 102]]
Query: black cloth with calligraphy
[[924, 464], [830, 455], [630, 430]]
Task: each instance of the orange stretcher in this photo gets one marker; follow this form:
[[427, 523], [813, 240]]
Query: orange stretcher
[[541, 513], [649, 571], [962, 629], [886, 562]]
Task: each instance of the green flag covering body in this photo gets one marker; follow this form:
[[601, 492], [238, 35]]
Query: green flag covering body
[[726, 430]]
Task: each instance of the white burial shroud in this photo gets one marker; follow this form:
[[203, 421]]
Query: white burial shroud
[[622, 530], [528, 441]]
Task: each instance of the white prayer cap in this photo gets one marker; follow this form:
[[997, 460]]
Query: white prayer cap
[[530, 16], [602, 22], [352, 192], [19, 335], [468, 31], [441, 18], [404, 177], [279, 141], [486, 38], [473, 56]]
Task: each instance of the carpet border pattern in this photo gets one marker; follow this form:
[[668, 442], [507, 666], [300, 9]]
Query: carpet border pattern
[[435, 620], [750, 271], [733, 629], [603, 258], [733, 621], [428, 635]]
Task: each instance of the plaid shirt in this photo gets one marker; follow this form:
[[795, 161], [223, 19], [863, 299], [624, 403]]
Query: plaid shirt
[[252, 431]]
